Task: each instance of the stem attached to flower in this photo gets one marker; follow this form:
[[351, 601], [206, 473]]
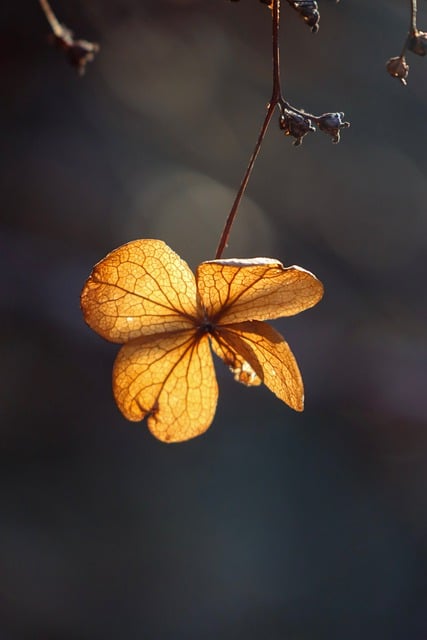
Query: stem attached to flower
[[276, 98]]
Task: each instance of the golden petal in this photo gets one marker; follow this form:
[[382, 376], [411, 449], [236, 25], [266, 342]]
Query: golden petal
[[268, 355], [257, 289], [141, 288], [243, 365], [171, 380]]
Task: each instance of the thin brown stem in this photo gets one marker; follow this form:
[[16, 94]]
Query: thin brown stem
[[413, 23], [277, 91], [233, 212], [276, 96], [51, 18], [412, 27]]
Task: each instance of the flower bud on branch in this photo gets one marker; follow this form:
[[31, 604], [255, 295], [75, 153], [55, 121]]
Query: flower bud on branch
[[418, 43], [332, 123], [296, 125], [398, 68]]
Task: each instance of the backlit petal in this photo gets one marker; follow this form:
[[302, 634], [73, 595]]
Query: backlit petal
[[266, 353], [256, 289], [243, 364], [171, 380], [141, 288]]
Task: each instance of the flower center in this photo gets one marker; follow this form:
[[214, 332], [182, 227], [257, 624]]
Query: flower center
[[206, 326]]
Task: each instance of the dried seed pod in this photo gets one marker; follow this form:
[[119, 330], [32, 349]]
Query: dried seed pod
[[418, 43], [332, 123], [398, 68], [296, 125], [78, 52], [309, 12]]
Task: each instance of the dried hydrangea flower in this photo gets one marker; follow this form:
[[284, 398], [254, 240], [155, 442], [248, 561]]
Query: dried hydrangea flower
[[169, 321]]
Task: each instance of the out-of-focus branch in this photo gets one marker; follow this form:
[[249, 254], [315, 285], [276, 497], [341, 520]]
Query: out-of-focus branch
[[78, 52]]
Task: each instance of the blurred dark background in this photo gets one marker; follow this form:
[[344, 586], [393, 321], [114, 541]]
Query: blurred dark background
[[272, 525]]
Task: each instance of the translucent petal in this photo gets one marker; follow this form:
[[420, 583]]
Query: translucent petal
[[257, 289], [171, 380], [243, 365], [141, 288], [267, 354]]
